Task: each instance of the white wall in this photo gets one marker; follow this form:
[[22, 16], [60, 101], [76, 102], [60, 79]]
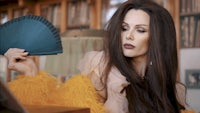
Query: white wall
[[190, 59]]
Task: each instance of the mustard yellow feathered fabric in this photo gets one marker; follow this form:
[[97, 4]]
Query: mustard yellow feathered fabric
[[44, 89]]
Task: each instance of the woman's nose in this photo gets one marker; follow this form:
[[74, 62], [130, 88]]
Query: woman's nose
[[130, 36]]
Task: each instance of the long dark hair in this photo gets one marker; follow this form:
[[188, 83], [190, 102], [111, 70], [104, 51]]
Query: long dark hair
[[157, 92]]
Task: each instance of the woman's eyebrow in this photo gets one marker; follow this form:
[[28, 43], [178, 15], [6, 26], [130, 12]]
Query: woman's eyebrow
[[142, 25], [124, 23], [136, 25]]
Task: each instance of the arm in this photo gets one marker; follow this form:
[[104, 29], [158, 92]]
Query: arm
[[19, 60]]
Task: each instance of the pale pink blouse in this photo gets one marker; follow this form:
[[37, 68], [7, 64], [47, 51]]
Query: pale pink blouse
[[93, 65]]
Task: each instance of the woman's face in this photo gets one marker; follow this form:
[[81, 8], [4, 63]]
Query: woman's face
[[135, 34]]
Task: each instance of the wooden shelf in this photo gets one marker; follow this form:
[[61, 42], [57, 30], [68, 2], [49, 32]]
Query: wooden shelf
[[190, 14]]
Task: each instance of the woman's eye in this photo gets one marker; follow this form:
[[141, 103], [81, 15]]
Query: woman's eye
[[141, 30], [124, 28]]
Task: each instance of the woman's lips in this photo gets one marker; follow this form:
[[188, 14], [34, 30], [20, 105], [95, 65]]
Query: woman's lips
[[129, 46]]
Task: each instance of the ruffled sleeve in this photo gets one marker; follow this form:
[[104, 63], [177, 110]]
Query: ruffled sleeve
[[116, 95], [181, 94], [92, 65]]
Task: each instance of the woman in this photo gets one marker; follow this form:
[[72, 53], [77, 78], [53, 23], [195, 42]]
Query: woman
[[141, 61], [137, 70]]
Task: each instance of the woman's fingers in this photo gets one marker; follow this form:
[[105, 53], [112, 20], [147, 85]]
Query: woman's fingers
[[16, 53], [20, 56], [19, 60]]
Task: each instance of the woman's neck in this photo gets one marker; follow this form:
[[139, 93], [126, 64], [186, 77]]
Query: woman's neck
[[140, 66]]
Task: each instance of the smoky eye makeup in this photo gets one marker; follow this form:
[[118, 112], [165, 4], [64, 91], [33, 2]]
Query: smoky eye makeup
[[141, 30], [124, 26]]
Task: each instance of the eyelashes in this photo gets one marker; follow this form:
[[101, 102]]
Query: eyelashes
[[141, 31], [124, 28]]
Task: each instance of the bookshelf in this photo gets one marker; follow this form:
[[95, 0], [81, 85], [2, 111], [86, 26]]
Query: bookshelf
[[70, 14], [13, 9], [51, 10], [64, 14], [78, 14], [190, 24]]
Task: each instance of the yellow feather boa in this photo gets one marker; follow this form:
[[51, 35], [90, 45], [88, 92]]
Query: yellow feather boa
[[44, 89]]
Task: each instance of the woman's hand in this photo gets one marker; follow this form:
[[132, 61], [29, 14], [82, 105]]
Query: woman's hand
[[19, 60]]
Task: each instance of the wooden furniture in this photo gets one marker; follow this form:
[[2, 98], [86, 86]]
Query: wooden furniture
[[190, 24]]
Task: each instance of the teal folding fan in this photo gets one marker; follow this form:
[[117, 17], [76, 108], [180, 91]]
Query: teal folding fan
[[33, 33]]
